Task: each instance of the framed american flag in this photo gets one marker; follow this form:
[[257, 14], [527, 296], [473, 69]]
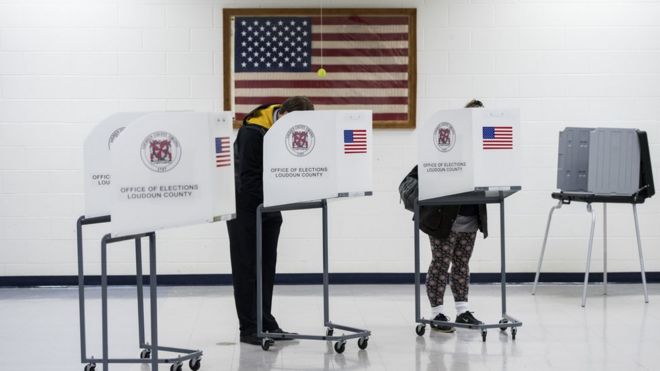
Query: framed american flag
[[369, 56]]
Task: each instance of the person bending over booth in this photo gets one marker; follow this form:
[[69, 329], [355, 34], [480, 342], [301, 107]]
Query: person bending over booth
[[248, 155], [452, 244]]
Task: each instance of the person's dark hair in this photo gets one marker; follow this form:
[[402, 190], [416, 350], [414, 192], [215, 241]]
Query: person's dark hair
[[298, 103], [474, 103]]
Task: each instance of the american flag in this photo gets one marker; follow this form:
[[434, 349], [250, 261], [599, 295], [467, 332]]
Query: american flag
[[366, 59], [222, 153], [355, 141], [497, 137]]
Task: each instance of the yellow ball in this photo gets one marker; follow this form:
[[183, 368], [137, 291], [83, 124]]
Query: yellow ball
[[321, 72]]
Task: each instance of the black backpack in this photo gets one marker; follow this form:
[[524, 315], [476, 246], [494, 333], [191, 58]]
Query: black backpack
[[432, 220], [408, 189]]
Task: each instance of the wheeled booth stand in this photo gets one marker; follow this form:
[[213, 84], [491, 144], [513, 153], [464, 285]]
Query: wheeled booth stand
[[267, 339], [150, 352], [476, 197], [135, 173], [565, 198]]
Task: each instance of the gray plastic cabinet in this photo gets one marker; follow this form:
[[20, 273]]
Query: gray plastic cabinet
[[600, 160]]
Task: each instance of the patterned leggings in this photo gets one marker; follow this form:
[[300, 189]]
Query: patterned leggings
[[455, 250]]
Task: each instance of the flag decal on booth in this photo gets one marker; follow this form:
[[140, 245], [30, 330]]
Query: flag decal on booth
[[222, 153], [355, 141], [497, 137]]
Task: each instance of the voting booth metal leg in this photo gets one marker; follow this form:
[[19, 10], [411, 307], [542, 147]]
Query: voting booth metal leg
[[82, 221], [420, 329], [506, 318], [140, 295], [605, 249], [641, 256], [153, 301], [545, 243], [506, 322], [81, 291], [150, 352], [590, 248], [502, 257], [591, 245], [267, 338], [326, 268]]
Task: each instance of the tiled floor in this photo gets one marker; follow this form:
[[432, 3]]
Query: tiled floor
[[39, 329]]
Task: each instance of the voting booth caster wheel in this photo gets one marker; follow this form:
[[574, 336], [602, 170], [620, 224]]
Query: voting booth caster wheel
[[420, 329], [340, 346], [266, 343], [484, 333], [502, 321], [195, 364], [176, 367], [145, 354], [90, 367], [363, 343], [514, 331], [329, 331]]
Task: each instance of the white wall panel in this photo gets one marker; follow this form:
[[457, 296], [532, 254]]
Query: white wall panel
[[65, 67]]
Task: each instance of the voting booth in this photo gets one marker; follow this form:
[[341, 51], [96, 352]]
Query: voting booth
[[172, 169], [606, 161], [602, 165], [315, 155], [97, 179], [468, 156], [309, 158], [97, 162], [467, 150], [145, 172]]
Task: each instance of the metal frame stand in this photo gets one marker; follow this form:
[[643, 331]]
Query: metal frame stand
[[589, 199], [149, 352], [267, 338], [478, 197]]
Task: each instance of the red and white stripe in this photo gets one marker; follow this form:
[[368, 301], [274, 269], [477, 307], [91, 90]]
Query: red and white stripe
[[222, 160], [366, 59], [503, 138]]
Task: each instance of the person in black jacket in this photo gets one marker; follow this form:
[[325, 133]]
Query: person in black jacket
[[452, 231], [248, 153]]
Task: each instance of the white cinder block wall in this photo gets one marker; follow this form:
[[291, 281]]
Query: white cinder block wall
[[65, 65]]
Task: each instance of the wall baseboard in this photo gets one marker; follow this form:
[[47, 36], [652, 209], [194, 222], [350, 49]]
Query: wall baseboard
[[316, 279]]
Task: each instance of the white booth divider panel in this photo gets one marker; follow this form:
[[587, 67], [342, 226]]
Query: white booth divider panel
[[172, 169], [462, 150], [444, 146], [222, 172], [299, 158], [97, 162], [306, 156], [355, 152], [497, 148]]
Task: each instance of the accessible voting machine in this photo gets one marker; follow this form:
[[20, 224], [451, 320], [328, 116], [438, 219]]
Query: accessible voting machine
[[602, 165]]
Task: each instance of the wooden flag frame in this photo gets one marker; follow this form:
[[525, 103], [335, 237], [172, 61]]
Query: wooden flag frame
[[228, 17]]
